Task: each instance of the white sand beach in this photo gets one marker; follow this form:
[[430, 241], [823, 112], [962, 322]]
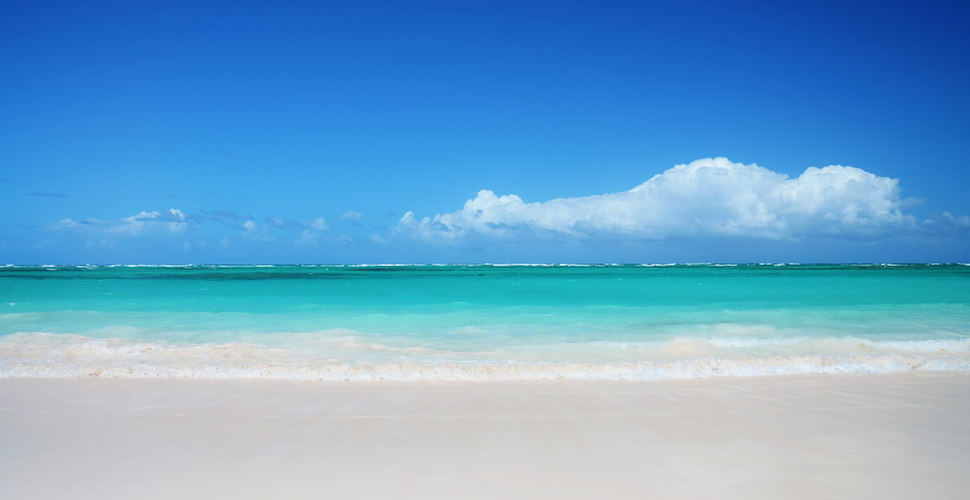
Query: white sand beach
[[852, 436]]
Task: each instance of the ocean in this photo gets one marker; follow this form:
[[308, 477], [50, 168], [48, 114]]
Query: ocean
[[482, 322]]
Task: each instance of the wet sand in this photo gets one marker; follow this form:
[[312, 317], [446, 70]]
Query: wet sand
[[820, 436]]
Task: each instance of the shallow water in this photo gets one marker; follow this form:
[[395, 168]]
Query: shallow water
[[482, 322]]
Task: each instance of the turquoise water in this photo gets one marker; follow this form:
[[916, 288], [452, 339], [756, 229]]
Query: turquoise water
[[482, 322]]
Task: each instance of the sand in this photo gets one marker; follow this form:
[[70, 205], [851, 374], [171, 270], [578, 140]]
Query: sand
[[829, 436]]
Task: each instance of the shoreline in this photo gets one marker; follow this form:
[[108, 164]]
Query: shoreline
[[803, 436], [322, 356]]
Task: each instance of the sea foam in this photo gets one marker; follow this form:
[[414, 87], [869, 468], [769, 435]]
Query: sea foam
[[59, 355]]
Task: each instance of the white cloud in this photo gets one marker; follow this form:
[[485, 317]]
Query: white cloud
[[351, 215], [318, 224], [705, 197], [962, 221], [311, 231], [251, 231], [174, 222], [278, 223], [170, 221]]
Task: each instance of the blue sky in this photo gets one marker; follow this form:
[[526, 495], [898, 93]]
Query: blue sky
[[234, 132]]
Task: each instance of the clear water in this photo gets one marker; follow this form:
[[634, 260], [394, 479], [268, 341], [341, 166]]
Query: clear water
[[482, 322]]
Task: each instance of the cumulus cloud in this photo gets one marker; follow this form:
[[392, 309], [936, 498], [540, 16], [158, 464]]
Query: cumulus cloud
[[351, 215], [318, 224], [252, 231], [169, 221], [311, 231], [712, 196]]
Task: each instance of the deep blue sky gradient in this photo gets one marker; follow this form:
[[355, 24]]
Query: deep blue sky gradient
[[311, 110]]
